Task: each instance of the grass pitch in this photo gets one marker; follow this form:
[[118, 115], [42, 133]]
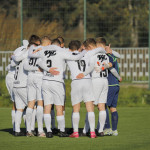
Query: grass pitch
[[133, 128]]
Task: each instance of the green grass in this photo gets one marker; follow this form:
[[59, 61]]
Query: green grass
[[133, 127]]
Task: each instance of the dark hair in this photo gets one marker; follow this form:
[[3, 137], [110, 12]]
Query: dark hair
[[88, 42], [33, 39], [61, 39], [74, 45], [101, 40], [56, 42]]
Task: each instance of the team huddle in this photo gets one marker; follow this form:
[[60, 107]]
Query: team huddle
[[35, 81]]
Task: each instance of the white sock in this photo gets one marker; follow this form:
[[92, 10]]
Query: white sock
[[61, 123], [18, 118], [29, 118], [72, 118], [102, 119], [24, 117], [86, 126], [76, 118], [64, 113], [53, 118], [91, 118], [13, 112], [47, 120], [33, 119], [64, 116], [40, 118]]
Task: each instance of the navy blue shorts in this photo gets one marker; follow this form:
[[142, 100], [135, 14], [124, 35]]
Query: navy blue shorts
[[112, 97]]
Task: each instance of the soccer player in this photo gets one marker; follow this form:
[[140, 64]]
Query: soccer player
[[19, 88], [9, 84], [10, 79], [113, 92], [99, 80], [81, 89], [52, 86], [35, 75]]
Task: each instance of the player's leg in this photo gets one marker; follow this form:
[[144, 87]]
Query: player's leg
[[91, 118], [40, 118], [33, 120], [102, 118], [58, 93], [39, 114], [20, 99], [47, 120], [48, 101], [29, 118], [86, 126], [9, 84], [89, 98], [75, 120], [114, 113], [31, 91], [53, 117], [55, 131], [13, 112]]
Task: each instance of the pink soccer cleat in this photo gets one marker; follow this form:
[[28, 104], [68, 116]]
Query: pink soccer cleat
[[74, 135], [92, 135]]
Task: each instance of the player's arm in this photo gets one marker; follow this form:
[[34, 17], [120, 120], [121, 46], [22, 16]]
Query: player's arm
[[109, 50], [36, 54], [43, 65], [116, 54], [115, 73], [69, 56], [95, 51], [13, 63], [8, 67], [28, 67], [20, 57], [88, 70]]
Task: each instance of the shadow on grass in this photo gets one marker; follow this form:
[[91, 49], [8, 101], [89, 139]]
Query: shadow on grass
[[10, 130]]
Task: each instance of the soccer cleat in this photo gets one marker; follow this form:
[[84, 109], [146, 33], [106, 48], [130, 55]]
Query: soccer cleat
[[42, 134], [74, 135], [101, 134], [34, 132], [55, 131], [49, 135], [115, 133], [19, 134], [92, 135], [108, 132], [63, 134], [29, 134], [70, 131]]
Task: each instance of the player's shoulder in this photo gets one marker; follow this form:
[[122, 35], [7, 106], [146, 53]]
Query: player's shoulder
[[111, 56], [19, 50]]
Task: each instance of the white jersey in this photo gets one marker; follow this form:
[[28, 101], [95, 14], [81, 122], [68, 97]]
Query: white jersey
[[20, 75], [10, 69], [78, 66], [54, 56], [32, 64], [96, 60]]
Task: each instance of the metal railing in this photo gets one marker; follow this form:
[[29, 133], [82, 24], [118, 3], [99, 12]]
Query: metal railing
[[133, 64]]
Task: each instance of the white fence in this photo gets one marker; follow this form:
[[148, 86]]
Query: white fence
[[133, 63]]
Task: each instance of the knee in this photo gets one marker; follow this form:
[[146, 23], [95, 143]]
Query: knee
[[113, 109]]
